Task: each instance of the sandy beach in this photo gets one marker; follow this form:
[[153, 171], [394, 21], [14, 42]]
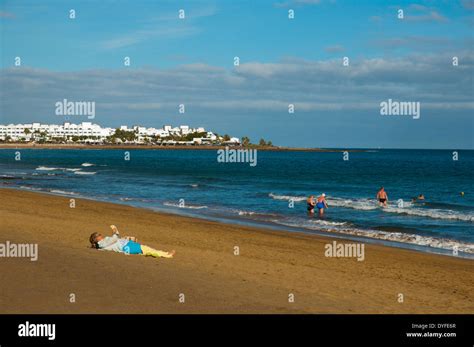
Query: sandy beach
[[271, 266]]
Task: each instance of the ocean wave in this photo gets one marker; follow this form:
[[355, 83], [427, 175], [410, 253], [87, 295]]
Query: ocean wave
[[322, 222], [253, 213], [46, 168], [52, 191], [8, 177], [358, 204], [287, 197], [246, 213], [87, 164], [432, 213], [408, 209], [194, 207], [31, 188], [127, 199], [84, 173], [62, 192], [134, 199], [371, 204], [408, 238]]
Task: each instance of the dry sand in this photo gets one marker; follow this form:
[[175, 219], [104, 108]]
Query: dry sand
[[271, 265]]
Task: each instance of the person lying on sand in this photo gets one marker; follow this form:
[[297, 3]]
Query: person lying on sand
[[127, 244]]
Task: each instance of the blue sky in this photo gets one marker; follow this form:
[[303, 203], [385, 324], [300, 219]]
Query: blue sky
[[282, 61]]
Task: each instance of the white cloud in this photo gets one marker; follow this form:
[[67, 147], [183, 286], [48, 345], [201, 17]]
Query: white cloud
[[167, 26], [310, 85]]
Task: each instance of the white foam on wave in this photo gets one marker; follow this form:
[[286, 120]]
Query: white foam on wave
[[442, 243], [84, 173], [245, 213], [253, 213], [30, 188], [57, 191], [322, 222], [87, 164], [127, 199], [45, 168], [358, 204], [194, 207], [134, 199], [432, 213], [287, 197]]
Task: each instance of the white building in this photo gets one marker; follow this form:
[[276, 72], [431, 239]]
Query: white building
[[35, 131], [210, 135], [234, 140], [95, 133]]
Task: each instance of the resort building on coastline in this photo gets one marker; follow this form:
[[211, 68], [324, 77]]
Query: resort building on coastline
[[86, 132]]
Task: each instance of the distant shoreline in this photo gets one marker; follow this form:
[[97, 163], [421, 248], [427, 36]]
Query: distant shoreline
[[174, 147]]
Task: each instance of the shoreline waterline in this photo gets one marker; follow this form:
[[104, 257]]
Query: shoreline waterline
[[259, 224], [270, 264]]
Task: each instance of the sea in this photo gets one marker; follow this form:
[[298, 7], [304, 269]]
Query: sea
[[273, 193]]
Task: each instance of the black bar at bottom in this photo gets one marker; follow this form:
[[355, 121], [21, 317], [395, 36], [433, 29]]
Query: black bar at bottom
[[317, 330]]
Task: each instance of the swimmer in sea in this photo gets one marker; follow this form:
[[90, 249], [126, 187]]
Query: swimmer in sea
[[311, 203], [420, 197], [321, 204], [382, 197]]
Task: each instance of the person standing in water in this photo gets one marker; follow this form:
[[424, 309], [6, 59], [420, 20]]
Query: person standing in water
[[311, 203], [321, 204], [382, 197]]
